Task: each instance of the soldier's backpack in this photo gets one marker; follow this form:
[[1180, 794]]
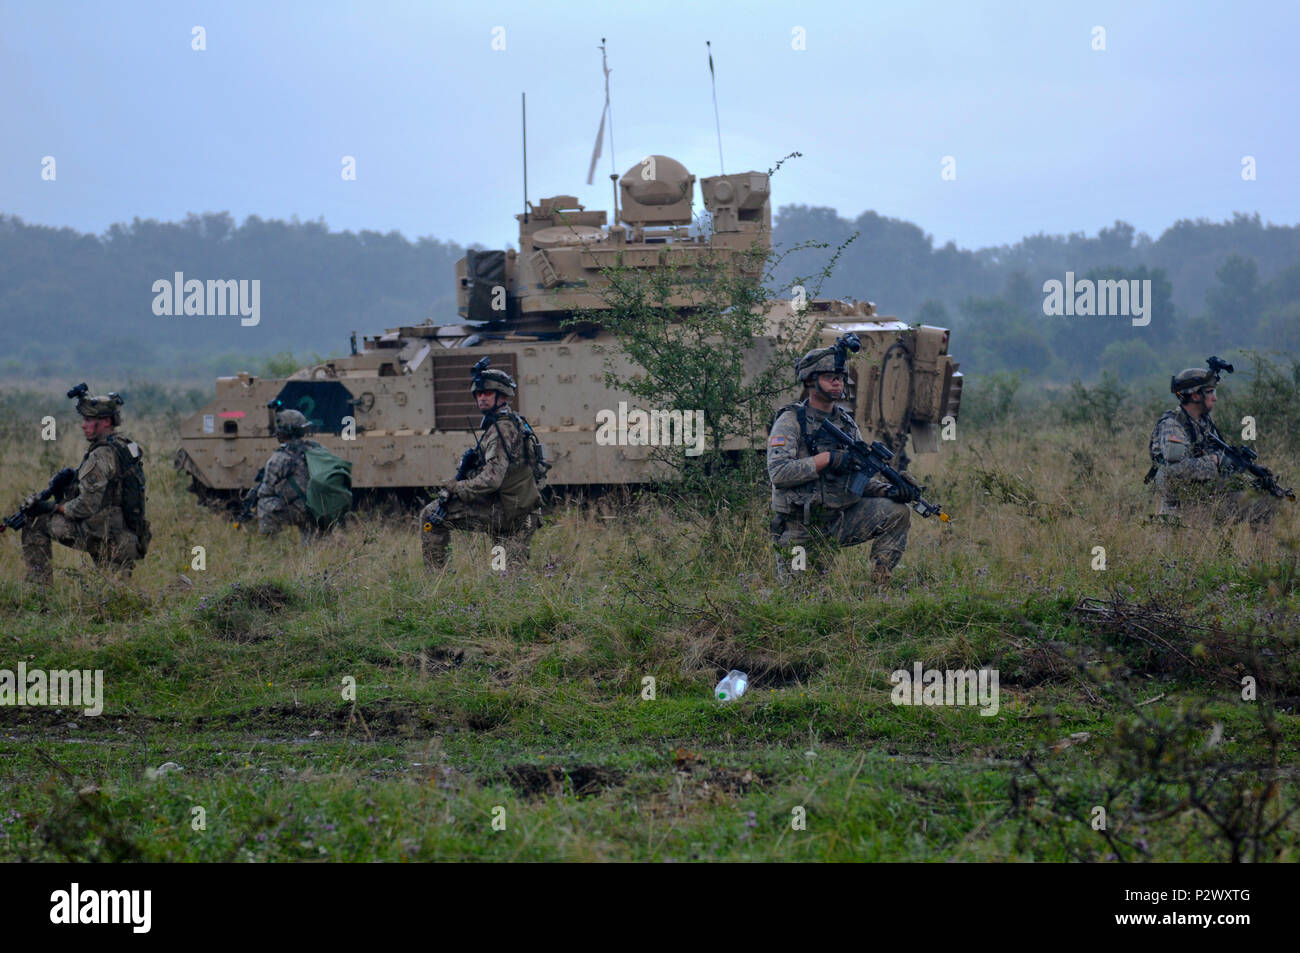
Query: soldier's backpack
[[328, 495], [130, 468], [534, 451]]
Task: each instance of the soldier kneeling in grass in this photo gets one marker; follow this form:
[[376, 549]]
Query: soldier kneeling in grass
[[1190, 468], [811, 499], [282, 494], [102, 509], [496, 491]]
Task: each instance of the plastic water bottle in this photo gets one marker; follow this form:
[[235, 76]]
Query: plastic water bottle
[[732, 686]]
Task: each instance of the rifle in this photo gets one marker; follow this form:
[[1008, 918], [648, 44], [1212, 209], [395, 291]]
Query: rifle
[[470, 460], [867, 460], [249, 508], [58, 489], [1243, 459]]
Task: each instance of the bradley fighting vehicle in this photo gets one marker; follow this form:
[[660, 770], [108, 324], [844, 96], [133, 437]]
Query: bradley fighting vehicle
[[407, 393]]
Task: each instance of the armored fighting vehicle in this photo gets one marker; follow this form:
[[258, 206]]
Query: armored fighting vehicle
[[399, 407]]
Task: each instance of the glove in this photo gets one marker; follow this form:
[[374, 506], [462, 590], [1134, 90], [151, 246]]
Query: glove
[[837, 462], [903, 494]]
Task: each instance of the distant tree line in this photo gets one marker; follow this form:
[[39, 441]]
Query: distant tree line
[[1216, 287], [71, 301]]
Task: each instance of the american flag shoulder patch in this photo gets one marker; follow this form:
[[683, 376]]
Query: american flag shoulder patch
[[776, 440]]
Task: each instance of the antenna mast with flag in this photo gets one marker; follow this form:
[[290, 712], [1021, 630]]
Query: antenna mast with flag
[[523, 108], [716, 121], [606, 113]]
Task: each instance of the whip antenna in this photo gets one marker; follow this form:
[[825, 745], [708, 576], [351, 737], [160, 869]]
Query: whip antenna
[[713, 79], [606, 115], [523, 106]]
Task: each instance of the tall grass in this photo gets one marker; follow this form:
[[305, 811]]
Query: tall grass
[[473, 691]]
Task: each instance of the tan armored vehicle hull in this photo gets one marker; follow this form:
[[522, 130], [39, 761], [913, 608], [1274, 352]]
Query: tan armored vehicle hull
[[400, 409]]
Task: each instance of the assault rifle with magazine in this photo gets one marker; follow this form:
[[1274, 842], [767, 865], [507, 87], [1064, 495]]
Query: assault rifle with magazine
[[470, 461], [58, 489], [1243, 460], [869, 459]]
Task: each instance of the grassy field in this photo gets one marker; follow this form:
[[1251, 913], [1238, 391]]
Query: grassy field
[[507, 719]]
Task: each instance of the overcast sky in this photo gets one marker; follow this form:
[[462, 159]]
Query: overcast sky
[[1047, 133]]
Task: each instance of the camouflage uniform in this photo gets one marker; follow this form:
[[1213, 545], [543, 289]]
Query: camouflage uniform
[[92, 521], [817, 507], [279, 504], [500, 499], [1186, 473]]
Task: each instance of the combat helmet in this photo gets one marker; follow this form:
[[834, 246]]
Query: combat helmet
[[290, 423], [493, 379], [101, 407], [1192, 380], [822, 360]]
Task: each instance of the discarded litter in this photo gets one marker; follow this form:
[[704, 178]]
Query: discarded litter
[[732, 686]]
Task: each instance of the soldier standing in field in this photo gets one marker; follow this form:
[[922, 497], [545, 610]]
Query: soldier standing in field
[[282, 494], [499, 494], [811, 500], [1188, 470], [103, 512]]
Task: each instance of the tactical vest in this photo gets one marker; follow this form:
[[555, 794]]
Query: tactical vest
[[804, 495], [127, 491], [1196, 442], [845, 423], [519, 493], [297, 448], [113, 492]]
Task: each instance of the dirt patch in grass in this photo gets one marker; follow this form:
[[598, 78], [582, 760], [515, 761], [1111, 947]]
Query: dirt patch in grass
[[582, 780], [710, 649], [728, 780], [429, 661], [1028, 664], [765, 672], [245, 613], [381, 719], [694, 783], [690, 767], [436, 661]]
